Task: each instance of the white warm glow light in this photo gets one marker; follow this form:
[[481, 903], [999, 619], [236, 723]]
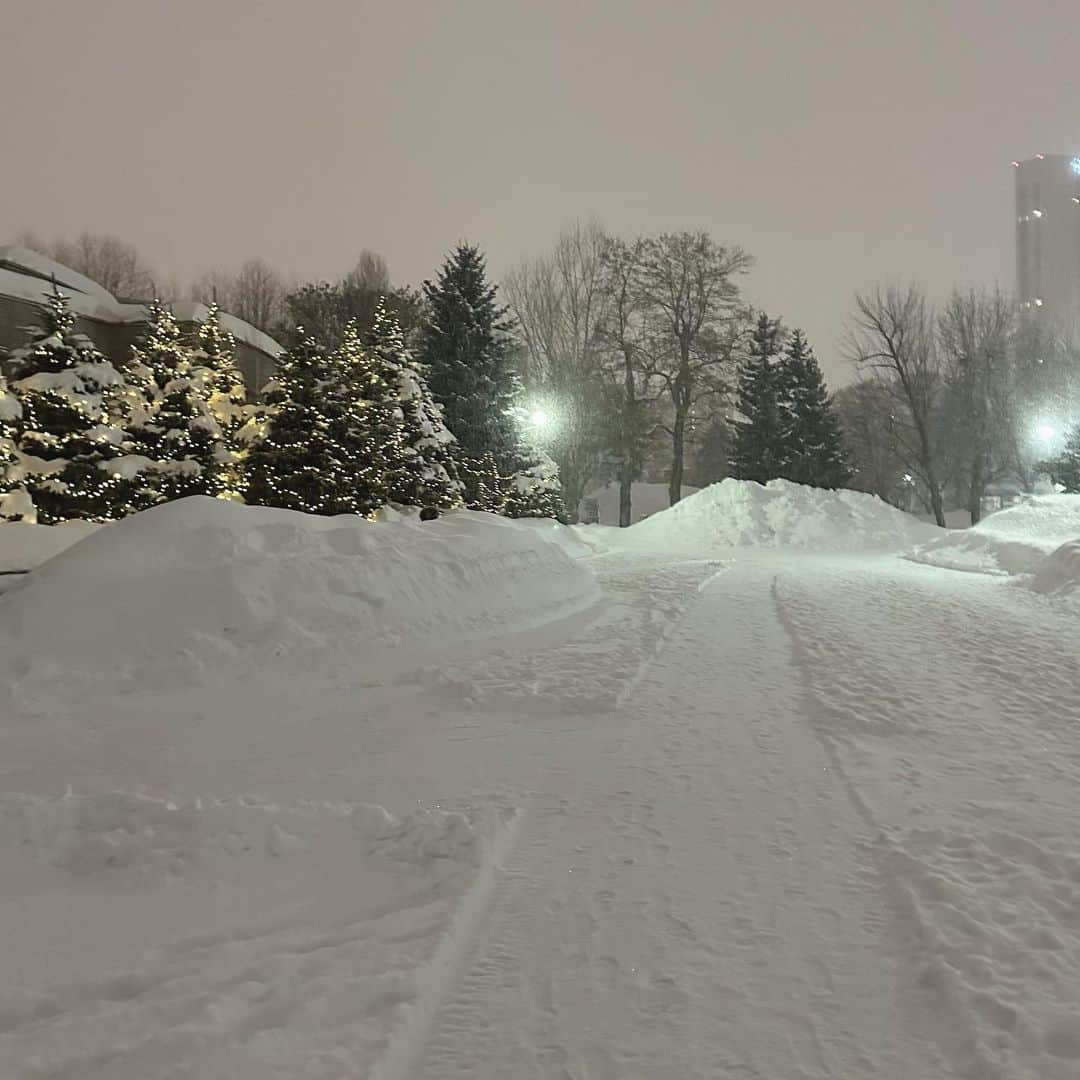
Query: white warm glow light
[[1045, 432], [539, 418]]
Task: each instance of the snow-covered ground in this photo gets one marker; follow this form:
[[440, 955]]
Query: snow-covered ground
[[734, 793]]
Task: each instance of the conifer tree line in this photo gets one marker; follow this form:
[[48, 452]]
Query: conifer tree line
[[352, 421]]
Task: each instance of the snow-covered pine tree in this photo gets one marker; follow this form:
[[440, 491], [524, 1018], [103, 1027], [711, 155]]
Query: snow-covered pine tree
[[1065, 468], [758, 448], [176, 447], [223, 387], [305, 459], [465, 348], [535, 491], [371, 425], [813, 446], [426, 474], [67, 442], [15, 502]]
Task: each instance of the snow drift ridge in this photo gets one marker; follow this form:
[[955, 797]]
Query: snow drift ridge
[[780, 514], [203, 584]]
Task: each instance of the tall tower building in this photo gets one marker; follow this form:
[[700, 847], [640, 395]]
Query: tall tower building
[[1048, 236]]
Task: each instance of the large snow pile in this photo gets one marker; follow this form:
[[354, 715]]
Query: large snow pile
[[203, 584], [1012, 541], [25, 547], [781, 514]]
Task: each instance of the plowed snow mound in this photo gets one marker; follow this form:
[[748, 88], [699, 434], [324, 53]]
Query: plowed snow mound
[[1059, 572], [740, 513], [1012, 541], [203, 584]]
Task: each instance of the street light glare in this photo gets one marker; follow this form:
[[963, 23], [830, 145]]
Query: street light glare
[[1045, 432], [540, 418]]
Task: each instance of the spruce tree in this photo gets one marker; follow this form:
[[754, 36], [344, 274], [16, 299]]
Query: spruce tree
[[223, 387], [67, 441], [371, 427], [1065, 468], [304, 461], [425, 473], [465, 347], [758, 449], [176, 444], [15, 502], [535, 491], [813, 447]]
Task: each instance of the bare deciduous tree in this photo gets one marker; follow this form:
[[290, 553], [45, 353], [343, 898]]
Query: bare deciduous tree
[[623, 335], [689, 283], [558, 302], [112, 263], [254, 293], [865, 409], [976, 330], [893, 339]]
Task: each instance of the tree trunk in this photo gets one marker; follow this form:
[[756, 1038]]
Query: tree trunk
[[936, 505], [678, 439], [976, 489], [628, 439], [625, 505]]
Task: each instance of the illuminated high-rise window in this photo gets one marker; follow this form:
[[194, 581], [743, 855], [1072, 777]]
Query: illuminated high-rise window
[[1048, 235]]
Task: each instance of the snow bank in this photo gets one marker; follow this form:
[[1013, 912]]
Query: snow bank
[[1015, 540], [1059, 572], [26, 547], [203, 584], [781, 514]]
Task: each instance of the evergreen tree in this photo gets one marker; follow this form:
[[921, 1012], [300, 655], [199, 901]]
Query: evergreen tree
[[372, 423], [535, 491], [305, 459], [222, 385], [758, 448], [426, 473], [1065, 468], [176, 444], [15, 502], [465, 347], [67, 442], [813, 447]]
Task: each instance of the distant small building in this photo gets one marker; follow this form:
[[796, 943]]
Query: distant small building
[[112, 325]]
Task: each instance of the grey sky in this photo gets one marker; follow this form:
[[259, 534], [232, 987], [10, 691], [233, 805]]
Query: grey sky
[[838, 142]]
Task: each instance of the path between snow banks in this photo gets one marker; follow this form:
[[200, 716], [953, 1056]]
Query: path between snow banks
[[691, 895]]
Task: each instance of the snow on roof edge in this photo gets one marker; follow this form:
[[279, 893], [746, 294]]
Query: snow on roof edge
[[94, 302]]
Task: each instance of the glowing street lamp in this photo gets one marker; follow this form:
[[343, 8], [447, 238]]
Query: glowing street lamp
[[539, 419], [1045, 432]]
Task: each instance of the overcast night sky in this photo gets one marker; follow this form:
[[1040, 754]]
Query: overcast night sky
[[839, 142]]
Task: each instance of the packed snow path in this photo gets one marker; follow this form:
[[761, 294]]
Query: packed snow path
[[688, 898], [829, 836]]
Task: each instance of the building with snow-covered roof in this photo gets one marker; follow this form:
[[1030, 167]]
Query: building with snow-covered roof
[[112, 325]]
